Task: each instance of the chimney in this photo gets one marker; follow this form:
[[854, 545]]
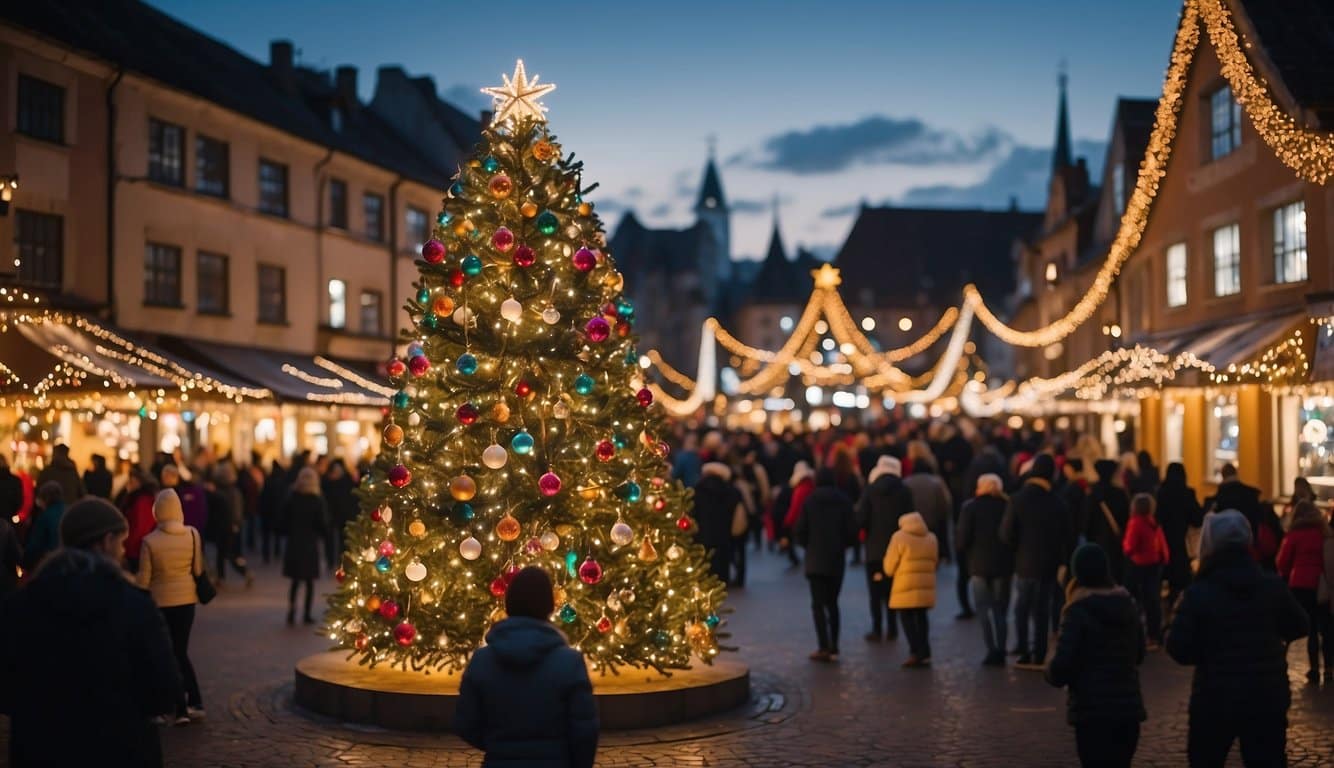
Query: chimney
[[280, 63], [345, 83]]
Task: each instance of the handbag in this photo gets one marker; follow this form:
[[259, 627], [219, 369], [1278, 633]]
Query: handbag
[[204, 589]]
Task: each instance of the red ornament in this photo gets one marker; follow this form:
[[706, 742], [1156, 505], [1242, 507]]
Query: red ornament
[[433, 251], [499, 586], [549, 484], [524, 256], [663, 449], [683, 523], [523, 389], [659, 504], [361, 642], [604, 625], [658, 482], [605, 450], [340, 574], [609, 310], [404, 634], [456, 278], [396, 367], [645, 397], [375, 514], [419, 365], [399, 476], [584, 259], [623, 329], [389, 609], [502, 239], [467, 414], [387, 548], [597, 329], [590, 572]]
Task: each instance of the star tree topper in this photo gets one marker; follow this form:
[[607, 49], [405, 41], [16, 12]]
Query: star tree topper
[[518, 97]]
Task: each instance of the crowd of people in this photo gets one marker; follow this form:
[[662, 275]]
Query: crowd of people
[[1110, 558]]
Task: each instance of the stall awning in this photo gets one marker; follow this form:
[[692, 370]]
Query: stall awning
[[291, 377], [1235, 343]]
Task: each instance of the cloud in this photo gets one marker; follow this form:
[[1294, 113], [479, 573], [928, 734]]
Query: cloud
[[1022, 174], [874, 140], [468, 98], [661, 210], [839, 211], [633, 193], [750, 207]]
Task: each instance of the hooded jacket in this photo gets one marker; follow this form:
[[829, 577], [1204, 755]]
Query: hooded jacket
[[305, 518], [885, 500], [1301, 557], [979, 537], [1144, 543], [826, 528], [910, 561], [166, 554], [716, 500], [86, 661], [526, 699], [1098, 651], [1037, 526]]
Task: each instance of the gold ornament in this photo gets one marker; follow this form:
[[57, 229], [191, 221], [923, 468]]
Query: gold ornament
[[614, 281], [500, 186], [699, 637], [393, 435], [585, 209], [508, 529], [590, 493], [497, 614], [622, 627], [462, 488], [425, 596], [417, 528], [558, 595], [500, 412], [372, 603], [565, 529], [442, 305], [647, 553], [528, 209], [544, 151]]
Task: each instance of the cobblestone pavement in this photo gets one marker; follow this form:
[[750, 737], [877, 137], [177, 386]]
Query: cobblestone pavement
[[862, 711]]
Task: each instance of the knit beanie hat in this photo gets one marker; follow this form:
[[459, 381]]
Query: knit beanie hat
[[88, 520], [1224, 530], [1044, 467], [885, 465], [1090, 567], [530, 594]]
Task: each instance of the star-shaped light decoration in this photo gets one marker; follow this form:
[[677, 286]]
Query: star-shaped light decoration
[[518, 97], [827, 277]]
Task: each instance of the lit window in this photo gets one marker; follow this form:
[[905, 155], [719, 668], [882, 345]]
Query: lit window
[[166, 153], [1227, 260], [337, 304], [1176, 275], [1290, 243], [1224, 123], [417, 229]]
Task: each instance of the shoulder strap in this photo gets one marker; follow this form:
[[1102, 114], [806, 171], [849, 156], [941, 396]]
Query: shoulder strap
[[1111, 519], [193, 544]]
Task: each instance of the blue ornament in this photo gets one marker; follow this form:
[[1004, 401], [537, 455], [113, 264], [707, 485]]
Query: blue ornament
[[712, 620], [620, 441], [631, 358], [423, 296], [490, 164], [567, 614], [382, 565], [625, 309], [522, 443], [583, 384], [415, 349], [572, 563], [466, 364], [630, 491], [456, 189], [547, 223], [401, 399], [465, 511], [443, 218], [472, 266]]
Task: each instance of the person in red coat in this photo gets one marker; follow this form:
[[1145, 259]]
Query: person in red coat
[[136, 503], [1146, 552], [1303, 558]]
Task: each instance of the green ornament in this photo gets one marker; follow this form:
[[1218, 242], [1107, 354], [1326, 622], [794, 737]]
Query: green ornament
[[625, 309], [143, 411], [620, 441], [583, 384], [712, 620], [567, 614], [571, 562], [631, 358], [443, 218], [423, 296], [547, 223], [401, 399], [430, 321], [661, 638], [630, 491], [472, 266], [465, 511], [490, 164]]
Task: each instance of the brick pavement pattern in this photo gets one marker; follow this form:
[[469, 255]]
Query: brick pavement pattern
[[862, 711]]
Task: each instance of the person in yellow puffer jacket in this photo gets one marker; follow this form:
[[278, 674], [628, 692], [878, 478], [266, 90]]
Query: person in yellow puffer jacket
[[911, 561]]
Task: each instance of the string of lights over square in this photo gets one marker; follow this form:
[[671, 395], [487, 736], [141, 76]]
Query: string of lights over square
[[521, 434]]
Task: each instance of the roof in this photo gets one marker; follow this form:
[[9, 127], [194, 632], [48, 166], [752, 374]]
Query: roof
[[712, 187], [904, 256], [1062, 156], [780, 280], [148, 42], [1297, 36], [639, 250]]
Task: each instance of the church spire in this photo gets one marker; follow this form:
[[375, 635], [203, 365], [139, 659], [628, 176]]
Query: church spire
[[711, 190], [1061, 156], [776, 250]]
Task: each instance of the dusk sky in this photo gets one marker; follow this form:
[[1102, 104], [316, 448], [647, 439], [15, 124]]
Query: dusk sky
[[947, 102]]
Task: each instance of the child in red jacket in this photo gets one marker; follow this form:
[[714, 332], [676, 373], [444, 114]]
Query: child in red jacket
[[1145, 548], [1302, 562]]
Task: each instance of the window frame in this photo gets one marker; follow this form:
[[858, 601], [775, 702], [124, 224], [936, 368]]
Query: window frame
[[1231, 266], [280, 318], [266, 203], [412, 232], [162, 167], [338, 204], [375, 233], [224, 279], [202, 162], [35, 117], [1172, 279], [362, 308], [162, 282], [46, 250], [1224, 123], [1290, 255]]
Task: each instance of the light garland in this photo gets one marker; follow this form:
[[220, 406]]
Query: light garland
[[354, 377]]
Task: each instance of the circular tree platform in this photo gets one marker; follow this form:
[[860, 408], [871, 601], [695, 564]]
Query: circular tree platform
[[331, 685]]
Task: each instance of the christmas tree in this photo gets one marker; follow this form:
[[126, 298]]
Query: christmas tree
[[522, 435]]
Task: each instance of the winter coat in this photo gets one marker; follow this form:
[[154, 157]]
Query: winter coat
[[1233, 625], [978, 537], [1098, 531], [1098, 652], [799, 493], [687, 468], [194, 503], [62, 472], [98, 482], [305, 519], [1144, 543], [86, 662], [1266, 530], [1301, 558], [878, 512], [1036, 526], [910, 560], [272, 496], [526, 700], [1177, 510], [931, 498], [342, 504], [716, 500], [11, 494], [165, 556], [137, 506], [11, 557], [1074, 494], [44, 536], [826, 527]]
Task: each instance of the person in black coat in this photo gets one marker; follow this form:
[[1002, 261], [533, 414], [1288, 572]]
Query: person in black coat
[[1178, 510], [97, 480], [716, 503], [1267, 530], [11, 491], [1073, 491], [1234, 625], [1098, 652], [305, 519], [337, 486], [1036, 525], [1106, 514], [826, 527], [525, 698], [885, 500], [84, 656], [990, 562], [271, 499]]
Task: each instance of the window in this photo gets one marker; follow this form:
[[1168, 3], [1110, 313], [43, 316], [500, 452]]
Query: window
[[273, 188], [212, 167], [39, 239], [166, 153], [417, 229], [214, 284], [272, 294], [1224, 123], [1119, 187], [41, 109], [1290, 243], [374, 206], [1176, 275], [162, 275], [1227, 260], [370, 313], [337, 304], [338, 203]]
